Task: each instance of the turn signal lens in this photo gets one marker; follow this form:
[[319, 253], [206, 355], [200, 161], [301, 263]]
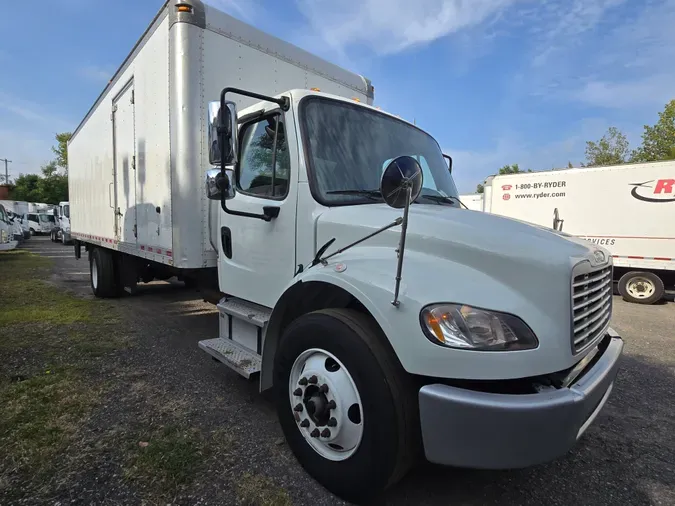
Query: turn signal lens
[[184, 8]]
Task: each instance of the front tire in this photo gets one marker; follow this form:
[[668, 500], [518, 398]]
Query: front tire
[[641, 287], [104, 282], [362, 404]]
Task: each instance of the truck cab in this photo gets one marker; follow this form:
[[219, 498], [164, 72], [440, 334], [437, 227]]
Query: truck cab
[[61, 231], [7, 241], [485, 318]]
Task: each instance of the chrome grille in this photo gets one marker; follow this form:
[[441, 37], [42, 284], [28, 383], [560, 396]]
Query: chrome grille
[[591, 306]]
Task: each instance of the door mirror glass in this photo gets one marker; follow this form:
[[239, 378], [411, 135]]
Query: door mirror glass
[[217, 185], [222, 133]]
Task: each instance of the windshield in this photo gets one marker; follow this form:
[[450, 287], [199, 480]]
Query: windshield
[[44, 218], [349, 146]]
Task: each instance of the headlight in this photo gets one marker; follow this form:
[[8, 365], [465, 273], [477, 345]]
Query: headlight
[[469, 328]]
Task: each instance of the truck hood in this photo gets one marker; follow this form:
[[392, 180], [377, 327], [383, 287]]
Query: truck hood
[[473, 238]]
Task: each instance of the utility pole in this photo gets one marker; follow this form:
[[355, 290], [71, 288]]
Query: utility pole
[[6, 169]]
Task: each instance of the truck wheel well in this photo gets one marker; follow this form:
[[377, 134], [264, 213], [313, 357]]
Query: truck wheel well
[[300, 299]]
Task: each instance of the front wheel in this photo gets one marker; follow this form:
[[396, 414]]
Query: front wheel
[[641, 287], [345, 404]]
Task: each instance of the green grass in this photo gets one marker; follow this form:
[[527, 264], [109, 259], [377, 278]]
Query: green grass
[[28, 298], [48, 344], [40, 416], [255, 490], [167, 458]]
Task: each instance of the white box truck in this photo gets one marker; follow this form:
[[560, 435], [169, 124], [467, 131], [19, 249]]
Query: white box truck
[[628, 209], [472, 201], [387, 330]]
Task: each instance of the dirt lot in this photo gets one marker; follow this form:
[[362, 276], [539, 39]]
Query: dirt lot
[[111, 402]]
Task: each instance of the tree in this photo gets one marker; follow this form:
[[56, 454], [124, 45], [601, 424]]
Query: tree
[[480, 188], [511, 169], [658, 141], [611, 149], [26, 187], [61, 150], [53, 186], [569, 165]]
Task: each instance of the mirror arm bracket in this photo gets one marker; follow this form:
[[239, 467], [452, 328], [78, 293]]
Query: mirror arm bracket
[[285, 104]]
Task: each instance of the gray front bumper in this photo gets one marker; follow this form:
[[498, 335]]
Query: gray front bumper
[[467, 428]]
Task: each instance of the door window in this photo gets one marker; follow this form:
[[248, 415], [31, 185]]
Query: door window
[[264, 167]]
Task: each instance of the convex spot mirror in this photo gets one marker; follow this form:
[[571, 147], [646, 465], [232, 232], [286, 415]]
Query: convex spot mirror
[[402, 174], [222, 133], [218, 185]]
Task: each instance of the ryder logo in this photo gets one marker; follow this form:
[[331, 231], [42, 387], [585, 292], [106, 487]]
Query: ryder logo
[[659, 190]]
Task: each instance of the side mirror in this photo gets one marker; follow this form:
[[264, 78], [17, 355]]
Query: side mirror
[[449, 159], [218, 185], [222, 133]]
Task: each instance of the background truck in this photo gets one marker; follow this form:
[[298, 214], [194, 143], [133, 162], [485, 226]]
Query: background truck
[[61, 230], [7, 241], [385, 331], [472, 201], [628, 209]]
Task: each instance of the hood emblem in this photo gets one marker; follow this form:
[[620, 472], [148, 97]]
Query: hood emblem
[[599, 256]]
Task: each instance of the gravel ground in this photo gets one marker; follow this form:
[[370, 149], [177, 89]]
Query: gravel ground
[[626, 457]]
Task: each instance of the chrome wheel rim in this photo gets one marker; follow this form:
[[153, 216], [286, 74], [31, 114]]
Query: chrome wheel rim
[[326, 404]]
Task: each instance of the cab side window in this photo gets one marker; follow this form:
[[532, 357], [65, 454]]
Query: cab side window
[[264, 166]]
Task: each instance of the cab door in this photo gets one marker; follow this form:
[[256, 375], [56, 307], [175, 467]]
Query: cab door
[[257, 258]]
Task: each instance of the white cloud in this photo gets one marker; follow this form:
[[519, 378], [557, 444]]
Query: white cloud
[[611, 58], [32, 113], [96, 73], [652, 91], [33, 127], [390, 26]]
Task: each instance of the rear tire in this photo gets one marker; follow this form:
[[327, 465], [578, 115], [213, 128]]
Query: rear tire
[[388, 416], [641, 287], [104, 282]]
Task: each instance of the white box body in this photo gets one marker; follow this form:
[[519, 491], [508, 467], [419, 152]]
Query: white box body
[[137, 160], [628, 209]]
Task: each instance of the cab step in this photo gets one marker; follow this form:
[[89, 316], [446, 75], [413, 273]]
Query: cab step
[[241, 330], [247, 311], [233, 355]]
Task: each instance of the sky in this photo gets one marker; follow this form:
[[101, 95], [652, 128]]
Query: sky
[[494, 81]]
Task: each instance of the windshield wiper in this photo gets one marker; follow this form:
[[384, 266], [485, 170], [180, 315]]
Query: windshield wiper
[[441, 199], [372, 194]]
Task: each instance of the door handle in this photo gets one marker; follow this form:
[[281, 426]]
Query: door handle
[[110, 197]]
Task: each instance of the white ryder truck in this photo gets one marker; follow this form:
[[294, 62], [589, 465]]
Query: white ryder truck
[[628, 209], [386, 331]]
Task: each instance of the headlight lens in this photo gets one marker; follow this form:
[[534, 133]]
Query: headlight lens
[[469, 328]]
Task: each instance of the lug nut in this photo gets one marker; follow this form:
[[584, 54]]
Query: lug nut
[[315, 433], [332, 422], [303, 381], [298, 392], [323, 389], [331, 405], [304, 423], [325, 433], [298, 408], [313, 380]]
